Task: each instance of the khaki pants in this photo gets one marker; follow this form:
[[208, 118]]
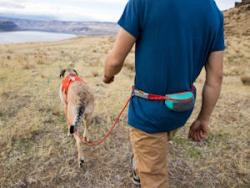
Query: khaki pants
[[150, 155]]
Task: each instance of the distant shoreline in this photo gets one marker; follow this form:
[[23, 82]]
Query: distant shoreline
[[86, 28], [18, 37]]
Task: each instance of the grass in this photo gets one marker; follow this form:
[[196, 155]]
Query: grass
[[34, 148]]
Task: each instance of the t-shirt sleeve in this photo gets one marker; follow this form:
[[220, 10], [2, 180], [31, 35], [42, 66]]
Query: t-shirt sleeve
[[130, 19], [219, 41]]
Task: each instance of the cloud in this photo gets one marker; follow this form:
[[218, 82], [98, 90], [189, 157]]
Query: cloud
[[10, 5], [102, 10], [226, 4]]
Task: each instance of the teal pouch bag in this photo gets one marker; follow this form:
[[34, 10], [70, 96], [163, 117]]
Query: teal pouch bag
[[181, 102]]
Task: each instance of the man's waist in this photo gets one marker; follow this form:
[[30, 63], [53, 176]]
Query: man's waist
[[162, 92]]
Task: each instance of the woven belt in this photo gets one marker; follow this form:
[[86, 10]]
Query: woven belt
[[154, 97]]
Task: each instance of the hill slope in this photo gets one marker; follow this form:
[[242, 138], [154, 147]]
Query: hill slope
[[237, 30]]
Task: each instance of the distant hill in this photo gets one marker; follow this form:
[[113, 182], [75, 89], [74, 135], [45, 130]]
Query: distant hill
[[71, 27], [7, 26], [242, 3], [237, 20], [237, 32]]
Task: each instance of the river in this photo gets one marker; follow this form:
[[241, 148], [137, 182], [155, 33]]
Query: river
[[32, 36]]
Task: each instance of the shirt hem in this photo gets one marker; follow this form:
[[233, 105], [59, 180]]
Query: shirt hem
[[150, 131]]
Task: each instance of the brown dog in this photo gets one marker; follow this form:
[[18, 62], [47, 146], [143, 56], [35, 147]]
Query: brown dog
[[78, 104]]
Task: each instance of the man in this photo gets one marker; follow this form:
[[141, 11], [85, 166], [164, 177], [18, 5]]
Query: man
[[174, 40]]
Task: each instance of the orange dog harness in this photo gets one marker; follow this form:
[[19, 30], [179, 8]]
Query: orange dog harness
[[68, 80]]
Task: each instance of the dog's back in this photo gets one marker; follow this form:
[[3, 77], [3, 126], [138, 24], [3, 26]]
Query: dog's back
[[80, 103], [79, 95]]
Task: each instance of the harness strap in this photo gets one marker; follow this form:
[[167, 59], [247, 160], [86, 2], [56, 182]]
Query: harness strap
[[67, 81]]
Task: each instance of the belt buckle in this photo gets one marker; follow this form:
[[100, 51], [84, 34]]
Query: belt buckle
[[140, 93]]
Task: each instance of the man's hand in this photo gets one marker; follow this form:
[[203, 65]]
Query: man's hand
[[199, 130], [108, 80]]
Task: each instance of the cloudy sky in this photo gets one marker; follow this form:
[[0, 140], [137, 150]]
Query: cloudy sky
[[101, 10]]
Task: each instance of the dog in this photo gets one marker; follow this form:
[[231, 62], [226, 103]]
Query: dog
[[78, 102]]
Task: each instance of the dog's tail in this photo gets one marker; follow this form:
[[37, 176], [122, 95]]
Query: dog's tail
[[77, 120]]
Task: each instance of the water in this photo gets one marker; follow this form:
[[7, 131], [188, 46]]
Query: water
[[32, 36]]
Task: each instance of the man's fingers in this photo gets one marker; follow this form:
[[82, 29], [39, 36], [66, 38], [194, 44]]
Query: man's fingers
[[108, 80], [201, 136], [193, 135], [189, 133], [193, 130], [196, 135]]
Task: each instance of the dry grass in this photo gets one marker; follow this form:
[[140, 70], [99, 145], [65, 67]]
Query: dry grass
[[34, 148]]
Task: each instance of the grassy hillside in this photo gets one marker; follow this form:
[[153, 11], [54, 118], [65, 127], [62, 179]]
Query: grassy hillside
[[36, 152]]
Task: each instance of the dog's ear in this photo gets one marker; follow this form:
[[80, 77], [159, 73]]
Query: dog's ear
[[75, 72], [62, 73]]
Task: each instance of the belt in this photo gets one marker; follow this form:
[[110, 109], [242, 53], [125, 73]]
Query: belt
[[155, 97]]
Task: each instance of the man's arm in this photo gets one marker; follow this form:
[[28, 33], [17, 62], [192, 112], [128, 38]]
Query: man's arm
[[116, 57], [210, 95]]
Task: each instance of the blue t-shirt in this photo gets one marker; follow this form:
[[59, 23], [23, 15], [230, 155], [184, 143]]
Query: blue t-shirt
[[174, 39]]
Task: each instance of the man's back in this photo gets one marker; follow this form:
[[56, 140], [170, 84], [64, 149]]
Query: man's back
[[173, 41]]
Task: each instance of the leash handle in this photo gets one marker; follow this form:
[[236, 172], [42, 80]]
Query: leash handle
[[107, 134]]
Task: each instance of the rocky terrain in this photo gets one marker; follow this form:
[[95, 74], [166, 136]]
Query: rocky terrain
[[242, 3], [237, 32], [35, 150]]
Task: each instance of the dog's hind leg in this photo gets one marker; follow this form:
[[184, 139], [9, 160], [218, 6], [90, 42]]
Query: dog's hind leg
[[72, 117], [80, 153], [87, 122], [66, 115], [85, 132]]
